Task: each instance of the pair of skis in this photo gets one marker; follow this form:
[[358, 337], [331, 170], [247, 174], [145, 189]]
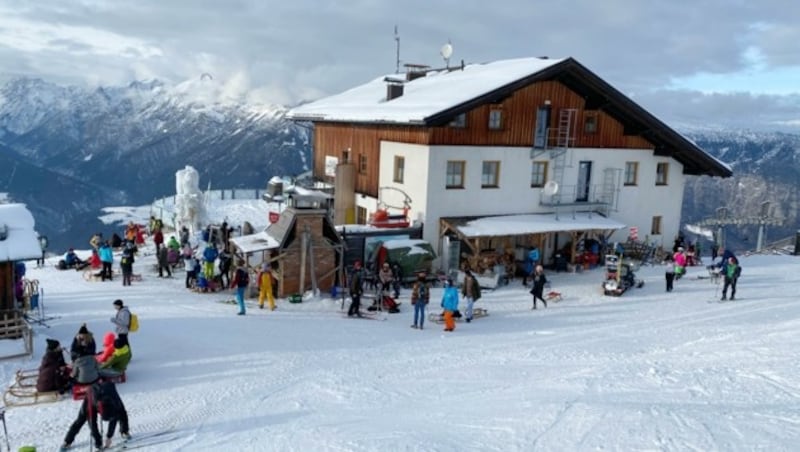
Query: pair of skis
[[139, 441]]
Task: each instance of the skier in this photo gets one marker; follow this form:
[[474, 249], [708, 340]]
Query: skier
[[126, 263], [102, 400], [539, 280], [731, 271]]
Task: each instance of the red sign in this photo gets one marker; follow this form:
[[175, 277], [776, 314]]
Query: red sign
[[274, 216], [634, 233]]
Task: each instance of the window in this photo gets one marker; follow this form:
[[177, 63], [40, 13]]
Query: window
[[459, 121], [399, 169], [631, 173], [655, 228], [538, 174], [495, 119], [590, 123], [362, 164], [346, 155], [490, 174], [662, 171], [361, 215], [455, 174]]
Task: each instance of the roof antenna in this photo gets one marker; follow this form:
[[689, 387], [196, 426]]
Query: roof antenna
[[397, 45], [447, 52]]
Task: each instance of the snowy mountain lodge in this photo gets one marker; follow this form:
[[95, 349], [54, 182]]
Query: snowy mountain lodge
[[507, 154]]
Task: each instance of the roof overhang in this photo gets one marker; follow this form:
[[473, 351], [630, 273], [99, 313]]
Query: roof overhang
[[21, 240], [253, 243], [510, 225]]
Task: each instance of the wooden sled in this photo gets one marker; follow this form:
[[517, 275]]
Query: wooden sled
[[28, 395], [23, 391], [94, 276], [553, 296], [476, 314]]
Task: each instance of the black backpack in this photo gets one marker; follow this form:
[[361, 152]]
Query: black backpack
[[243, 277], [106, 400]]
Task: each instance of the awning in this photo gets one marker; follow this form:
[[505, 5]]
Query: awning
[[18, 239], [260, 241], [505, 225]]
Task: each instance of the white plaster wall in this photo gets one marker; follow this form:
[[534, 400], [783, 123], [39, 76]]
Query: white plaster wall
[[425, 173]]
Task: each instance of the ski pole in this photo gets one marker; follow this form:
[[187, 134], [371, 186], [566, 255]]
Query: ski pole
[[5, 430]]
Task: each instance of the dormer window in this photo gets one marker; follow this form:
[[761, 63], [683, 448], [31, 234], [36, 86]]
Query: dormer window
[[459, 121]]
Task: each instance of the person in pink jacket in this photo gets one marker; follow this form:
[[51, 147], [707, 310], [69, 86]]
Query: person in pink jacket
[[680, 262]]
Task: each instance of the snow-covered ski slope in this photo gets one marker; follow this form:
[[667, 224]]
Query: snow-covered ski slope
[[649, 370]]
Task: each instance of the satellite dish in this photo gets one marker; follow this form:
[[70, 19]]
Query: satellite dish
[[447, 51], [551, 188]]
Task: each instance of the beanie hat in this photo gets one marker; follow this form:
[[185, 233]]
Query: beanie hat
[[119, 342], [52, 344], [118, 303], [83, 329]]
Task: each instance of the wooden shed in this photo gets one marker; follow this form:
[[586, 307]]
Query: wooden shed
[[18, 242]]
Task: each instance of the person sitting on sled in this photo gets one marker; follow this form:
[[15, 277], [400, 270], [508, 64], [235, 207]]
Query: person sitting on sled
[[72, 260], [53, 373]]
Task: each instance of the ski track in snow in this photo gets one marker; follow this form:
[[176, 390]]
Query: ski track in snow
[[644, 371]]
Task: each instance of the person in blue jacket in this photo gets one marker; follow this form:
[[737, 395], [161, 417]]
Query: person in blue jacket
[[530, 264], [450, 305], [210, 255], [726, 257], [107, 258]]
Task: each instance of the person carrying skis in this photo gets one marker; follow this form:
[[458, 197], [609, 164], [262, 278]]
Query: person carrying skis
[[731, 271], [420, 296], [539, 280]]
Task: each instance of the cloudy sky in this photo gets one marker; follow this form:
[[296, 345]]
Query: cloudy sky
[[704, 62]]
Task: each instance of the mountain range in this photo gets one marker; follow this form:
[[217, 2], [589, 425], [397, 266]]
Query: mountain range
[[69, 151]]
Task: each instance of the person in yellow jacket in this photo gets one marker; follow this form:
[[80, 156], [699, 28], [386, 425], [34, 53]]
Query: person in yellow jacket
[[265, 287]]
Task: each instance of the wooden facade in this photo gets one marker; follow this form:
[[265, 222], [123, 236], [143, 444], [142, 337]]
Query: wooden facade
[[517, 129], [308, 252]]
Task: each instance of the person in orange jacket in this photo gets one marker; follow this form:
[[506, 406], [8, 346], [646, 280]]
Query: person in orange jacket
[[265, 287]]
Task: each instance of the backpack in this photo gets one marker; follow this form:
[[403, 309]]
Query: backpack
[[134, 325], [106, 400], [125, 260], [243, 277]]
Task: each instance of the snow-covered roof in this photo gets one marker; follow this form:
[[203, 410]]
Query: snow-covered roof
[[536, 223], [21, 240], [422, 97], [260, 241]]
